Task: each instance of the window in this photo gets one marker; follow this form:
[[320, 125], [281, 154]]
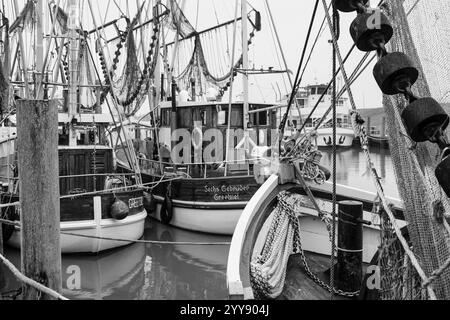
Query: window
[[203, 114], [263, 118], [313, 90], [321, 90], [222, 118], [165, 117]]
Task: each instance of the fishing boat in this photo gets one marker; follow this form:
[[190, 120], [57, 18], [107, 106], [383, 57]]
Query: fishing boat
[[207, 146], [318, 98], [96, 203], [91, 192], [300, 240]]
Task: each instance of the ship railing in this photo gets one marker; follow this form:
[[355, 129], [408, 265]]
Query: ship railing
[[123, 180], [197, 170]]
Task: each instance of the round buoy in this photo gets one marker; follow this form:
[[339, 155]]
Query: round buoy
[[119, 210], [442, 172], [423, 118], [348, 5], [392, 69], [149, 202], [366, 34], [166, 210]]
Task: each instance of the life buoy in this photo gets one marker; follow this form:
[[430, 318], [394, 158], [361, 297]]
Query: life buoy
[[166, 210], [119, 210], [200, 138]]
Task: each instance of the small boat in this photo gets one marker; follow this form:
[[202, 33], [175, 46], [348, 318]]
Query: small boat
[[378, 141], [205, 197], [96, 202], [253, 227]]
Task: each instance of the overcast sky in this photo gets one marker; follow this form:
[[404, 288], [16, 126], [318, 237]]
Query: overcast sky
[[291, 21]]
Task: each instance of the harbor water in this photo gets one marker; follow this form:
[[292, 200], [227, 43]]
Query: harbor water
[[181, 272]]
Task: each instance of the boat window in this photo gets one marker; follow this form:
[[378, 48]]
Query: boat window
[[321, 90], [263, 118], [203, 115], [165, 117], [222, 119], [184, 118], [301, 102], [313, 90]]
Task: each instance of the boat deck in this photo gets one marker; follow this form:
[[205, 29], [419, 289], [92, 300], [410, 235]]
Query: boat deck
[[299, 286]]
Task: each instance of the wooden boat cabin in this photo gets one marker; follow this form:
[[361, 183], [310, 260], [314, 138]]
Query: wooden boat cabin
[[211, 120]]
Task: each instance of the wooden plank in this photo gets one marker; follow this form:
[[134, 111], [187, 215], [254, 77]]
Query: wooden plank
[[37, 133]]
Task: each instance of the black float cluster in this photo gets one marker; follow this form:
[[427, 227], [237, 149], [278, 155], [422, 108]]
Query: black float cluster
[[395, 73], [146, 69]]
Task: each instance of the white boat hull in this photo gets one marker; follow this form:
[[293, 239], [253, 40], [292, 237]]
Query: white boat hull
[[86, 234], [315, 237], [344, 137], [215, 221]]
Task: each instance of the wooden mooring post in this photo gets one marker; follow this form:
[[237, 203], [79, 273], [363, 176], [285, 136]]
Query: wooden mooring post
[[350, 246], [37, 131]]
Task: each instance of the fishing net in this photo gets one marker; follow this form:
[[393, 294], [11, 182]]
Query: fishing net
[[414, 164], [177, 20], [126, 85], [4, 71], [198, 67], [26, 18]]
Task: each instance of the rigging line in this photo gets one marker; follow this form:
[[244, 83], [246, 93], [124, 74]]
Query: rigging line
[[297, 80], [215, 12], [334, 197], [220, 51], [355, 75], [328, 88], [230, 100], [196, 16], [269, 14], [319, 34], [274, 30], [118, 7], [107, 11]]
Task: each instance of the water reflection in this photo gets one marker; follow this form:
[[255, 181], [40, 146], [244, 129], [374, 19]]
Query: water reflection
[[167, 272], [352, 168], [143, 271]]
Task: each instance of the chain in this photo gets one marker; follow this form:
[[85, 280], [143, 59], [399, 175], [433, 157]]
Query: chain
[[299, 249], [285, 210]]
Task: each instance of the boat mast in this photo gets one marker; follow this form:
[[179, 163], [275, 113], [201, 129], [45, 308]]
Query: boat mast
[[73, 56], [39, 50], [246, 117]]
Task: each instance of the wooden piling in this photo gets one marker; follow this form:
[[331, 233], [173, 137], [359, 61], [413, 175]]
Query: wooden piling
[[350, 244], [37, 131]]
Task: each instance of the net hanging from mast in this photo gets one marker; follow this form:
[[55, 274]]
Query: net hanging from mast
[[414, 164], [203, 59]]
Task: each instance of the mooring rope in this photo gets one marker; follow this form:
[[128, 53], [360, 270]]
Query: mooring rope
[[186, 243], [183, 243], [28, 281], [375, 176]]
